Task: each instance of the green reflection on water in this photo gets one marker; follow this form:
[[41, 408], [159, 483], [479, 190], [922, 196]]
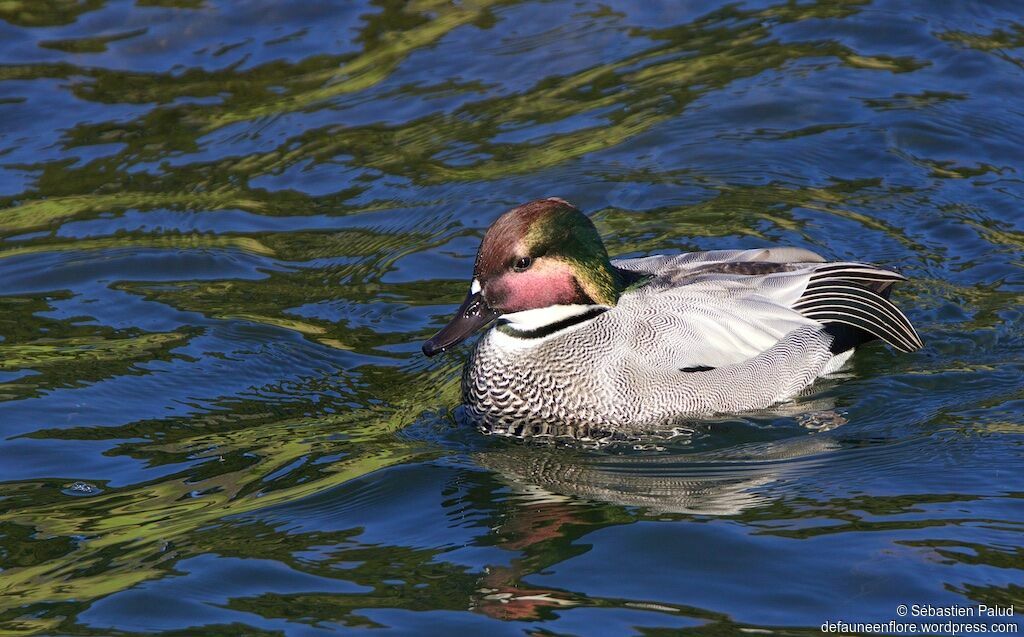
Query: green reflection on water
[[59, 555]]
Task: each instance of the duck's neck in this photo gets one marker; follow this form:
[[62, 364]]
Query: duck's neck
[[545, 321], [602, 285]]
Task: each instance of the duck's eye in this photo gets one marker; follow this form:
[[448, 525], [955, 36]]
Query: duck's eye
[[522, 264]]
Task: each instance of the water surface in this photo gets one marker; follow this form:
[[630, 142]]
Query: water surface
[[225, 228]]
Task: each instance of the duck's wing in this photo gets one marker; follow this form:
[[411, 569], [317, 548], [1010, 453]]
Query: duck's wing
[[692, 319], [729, 306], [850, 299], [667, 265]]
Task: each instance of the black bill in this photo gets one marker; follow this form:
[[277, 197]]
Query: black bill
[[473, 314]]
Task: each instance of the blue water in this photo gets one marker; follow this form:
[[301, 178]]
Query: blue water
[[226, 228]]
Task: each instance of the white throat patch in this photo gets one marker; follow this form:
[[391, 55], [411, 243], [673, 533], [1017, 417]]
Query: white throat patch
[[529, 320]]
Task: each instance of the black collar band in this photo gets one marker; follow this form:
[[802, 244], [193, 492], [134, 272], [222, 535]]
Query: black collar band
[[551, 328]]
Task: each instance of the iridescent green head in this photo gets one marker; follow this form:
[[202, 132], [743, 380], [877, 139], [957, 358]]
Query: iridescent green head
[[543, 253], [540, 254]]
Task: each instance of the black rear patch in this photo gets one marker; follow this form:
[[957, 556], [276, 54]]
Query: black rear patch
[[846, 337]]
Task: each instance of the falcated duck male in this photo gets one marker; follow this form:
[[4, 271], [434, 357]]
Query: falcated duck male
[[582, 343]]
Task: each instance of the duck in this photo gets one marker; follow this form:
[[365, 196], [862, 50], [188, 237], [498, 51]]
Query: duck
[[578, 344]]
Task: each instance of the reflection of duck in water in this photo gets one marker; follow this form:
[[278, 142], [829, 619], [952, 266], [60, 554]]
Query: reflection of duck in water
[[721, 482], [584, 344], [563, 494]]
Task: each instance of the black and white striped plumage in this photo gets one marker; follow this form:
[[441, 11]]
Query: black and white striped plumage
[[703, 333]]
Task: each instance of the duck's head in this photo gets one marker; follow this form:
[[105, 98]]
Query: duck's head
[[541, 254]]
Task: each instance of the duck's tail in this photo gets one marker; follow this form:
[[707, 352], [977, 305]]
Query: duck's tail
[[852, 300]]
